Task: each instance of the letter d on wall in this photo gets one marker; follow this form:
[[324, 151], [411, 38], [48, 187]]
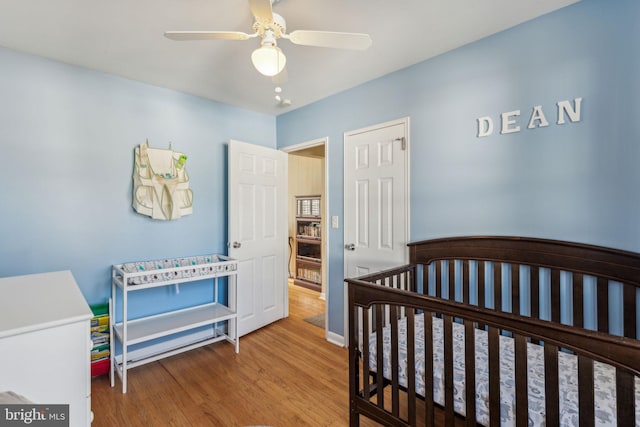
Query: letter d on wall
[[485, 126]]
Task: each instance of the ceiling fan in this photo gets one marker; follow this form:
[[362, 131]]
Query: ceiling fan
[[268, 58]]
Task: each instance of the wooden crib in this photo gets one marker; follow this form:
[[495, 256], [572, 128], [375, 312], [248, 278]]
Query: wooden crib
[[497, 331]]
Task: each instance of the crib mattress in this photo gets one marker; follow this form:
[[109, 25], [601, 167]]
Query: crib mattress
[[604, 376]]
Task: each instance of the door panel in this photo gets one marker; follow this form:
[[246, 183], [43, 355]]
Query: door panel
[[385, 231], [247, 199], [246, 298], [257, 232], [362, 213], [269, 267], [270, 225]]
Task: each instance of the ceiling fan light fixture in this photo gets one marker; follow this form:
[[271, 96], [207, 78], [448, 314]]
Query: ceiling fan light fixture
[[268, 60]]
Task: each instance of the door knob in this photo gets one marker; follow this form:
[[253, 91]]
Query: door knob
[[236, 245], [350, 247]]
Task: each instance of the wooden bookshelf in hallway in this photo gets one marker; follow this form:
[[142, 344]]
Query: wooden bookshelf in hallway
[[308, 242]]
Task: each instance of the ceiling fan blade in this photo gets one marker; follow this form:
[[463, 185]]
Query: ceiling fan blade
[[261, 9], [354, 41], [207, 35]]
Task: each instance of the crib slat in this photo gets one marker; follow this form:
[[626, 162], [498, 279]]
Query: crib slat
[[470, 373], [555, 295], [629, 307], [395, 387], [402, 284], [411, 366], [625, 398], [412, 286], [452, 280], [585, 387], [448, 370], [534, 274], [603, 305], [481, 285], [515, 288], [379, 356], [425, 279], [482, 296], [465, 281], [522, 402], [438, 286], [365, 354], [494, 377], [551, 391], [578, 300], [497, 286], [428, 370]]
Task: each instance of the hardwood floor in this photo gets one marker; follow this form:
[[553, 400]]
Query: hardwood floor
[[286, 374]]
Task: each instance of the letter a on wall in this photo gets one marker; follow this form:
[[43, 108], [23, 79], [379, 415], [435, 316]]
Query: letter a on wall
[[160, 183]]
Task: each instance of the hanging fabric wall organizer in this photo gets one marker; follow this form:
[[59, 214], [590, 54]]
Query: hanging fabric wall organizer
[[161, 183]]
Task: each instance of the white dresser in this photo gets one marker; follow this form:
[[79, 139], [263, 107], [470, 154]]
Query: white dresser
[[45, 342]]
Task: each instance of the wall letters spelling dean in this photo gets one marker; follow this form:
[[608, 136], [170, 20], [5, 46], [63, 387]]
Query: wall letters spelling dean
[[509, 122]]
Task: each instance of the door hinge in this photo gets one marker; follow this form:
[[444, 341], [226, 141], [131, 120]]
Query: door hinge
[[403, 142]]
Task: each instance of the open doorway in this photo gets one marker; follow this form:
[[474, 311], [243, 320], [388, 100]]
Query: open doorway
[[308, 234]]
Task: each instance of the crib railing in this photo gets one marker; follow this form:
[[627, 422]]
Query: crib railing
[[381, 299]]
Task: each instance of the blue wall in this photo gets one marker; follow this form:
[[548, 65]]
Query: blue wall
[[67, 136], [578, 181]]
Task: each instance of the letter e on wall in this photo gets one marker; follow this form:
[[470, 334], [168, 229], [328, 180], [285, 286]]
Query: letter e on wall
[[508, 120]]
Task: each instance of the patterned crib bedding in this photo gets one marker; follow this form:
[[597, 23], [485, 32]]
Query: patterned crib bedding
[[604, 376]]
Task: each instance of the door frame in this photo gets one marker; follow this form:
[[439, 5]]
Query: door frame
[[325, 213], [402, 121]]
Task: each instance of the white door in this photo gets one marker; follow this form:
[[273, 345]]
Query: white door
[[376, 198], [257, 232]]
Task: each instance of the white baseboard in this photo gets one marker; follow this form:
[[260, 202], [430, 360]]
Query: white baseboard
[[336, 339]]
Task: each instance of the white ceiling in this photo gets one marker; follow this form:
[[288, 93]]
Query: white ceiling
[[125, 37]]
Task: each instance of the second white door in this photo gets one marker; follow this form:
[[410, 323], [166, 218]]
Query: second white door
[[376, 196]]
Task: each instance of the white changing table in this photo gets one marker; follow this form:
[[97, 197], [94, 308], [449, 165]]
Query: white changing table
[[138, 276]]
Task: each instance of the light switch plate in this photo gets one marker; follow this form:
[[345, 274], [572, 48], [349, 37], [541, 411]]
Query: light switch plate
[[335, 222]]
